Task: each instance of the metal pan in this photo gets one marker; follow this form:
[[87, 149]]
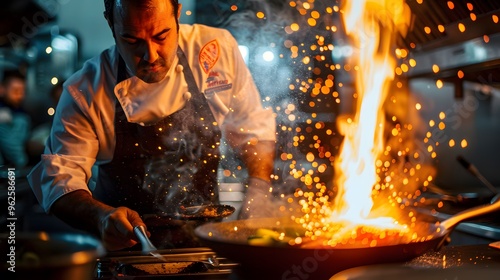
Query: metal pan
[[465, 199], [206, 212], [177, 230], [229, 239], [468, 199]]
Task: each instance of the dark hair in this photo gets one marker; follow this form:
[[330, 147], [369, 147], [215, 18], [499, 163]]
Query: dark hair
[[109, 5], [10, 75]]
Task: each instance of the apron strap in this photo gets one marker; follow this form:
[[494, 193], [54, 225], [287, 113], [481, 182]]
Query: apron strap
[[198, 98], [188, 74]]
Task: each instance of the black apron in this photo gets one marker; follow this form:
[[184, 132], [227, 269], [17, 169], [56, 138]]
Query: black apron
[[156, 169]]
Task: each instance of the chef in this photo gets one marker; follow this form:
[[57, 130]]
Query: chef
[[138, 129]]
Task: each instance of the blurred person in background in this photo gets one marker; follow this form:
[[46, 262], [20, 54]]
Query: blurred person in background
[[15, 123], [40, 134]]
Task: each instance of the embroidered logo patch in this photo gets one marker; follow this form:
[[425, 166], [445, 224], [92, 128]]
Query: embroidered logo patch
[[216, 84], [209, 55]]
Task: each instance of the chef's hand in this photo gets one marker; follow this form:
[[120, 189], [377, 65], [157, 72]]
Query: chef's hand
[[117, 228], [114, 225], [259, 201]]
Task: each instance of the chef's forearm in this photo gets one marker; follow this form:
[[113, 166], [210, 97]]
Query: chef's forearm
[[79, 210], [258, 158]]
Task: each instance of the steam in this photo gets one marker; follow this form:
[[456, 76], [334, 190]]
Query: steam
[[171, 172]]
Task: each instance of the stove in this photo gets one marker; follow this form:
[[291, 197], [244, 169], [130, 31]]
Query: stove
[[184, 263], [465, 260], [468, 262], [455, 262]]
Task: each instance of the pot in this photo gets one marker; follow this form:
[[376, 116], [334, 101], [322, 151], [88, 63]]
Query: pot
[[230, 239], [42, 255]]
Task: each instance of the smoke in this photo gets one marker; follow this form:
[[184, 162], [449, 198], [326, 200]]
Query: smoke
[[171, 174], [253, 31]]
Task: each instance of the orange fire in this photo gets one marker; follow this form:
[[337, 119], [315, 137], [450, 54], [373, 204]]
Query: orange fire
[[372, 26]]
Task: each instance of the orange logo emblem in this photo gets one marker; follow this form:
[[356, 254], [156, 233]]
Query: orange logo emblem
[[209, 55]]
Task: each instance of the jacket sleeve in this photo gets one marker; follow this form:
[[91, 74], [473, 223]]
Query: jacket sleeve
[[69, 155]]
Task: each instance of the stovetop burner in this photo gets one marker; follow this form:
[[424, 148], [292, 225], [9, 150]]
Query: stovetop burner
[[186, 263]]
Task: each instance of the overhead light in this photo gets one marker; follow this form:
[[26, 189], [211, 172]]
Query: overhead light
[[62, 43], [265, 56], [268, 56]]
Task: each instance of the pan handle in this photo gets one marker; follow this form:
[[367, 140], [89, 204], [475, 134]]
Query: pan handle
[[470, 213]]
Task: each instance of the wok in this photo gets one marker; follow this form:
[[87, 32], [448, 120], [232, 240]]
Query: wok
[[229, 239]]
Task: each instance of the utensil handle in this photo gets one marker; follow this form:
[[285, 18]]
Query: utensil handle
[[474, 171], [470, 213], [147, 246]]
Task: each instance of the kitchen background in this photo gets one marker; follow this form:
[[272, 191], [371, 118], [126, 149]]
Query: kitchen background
[[458, 104]]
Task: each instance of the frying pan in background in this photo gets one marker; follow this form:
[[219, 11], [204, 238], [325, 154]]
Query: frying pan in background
[[177, 230], [205, 212], [229, 239], [465, 199]]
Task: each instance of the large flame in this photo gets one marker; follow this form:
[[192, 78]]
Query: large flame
[[372, 26]]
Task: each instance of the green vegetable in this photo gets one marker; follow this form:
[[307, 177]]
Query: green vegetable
[[269, 237]]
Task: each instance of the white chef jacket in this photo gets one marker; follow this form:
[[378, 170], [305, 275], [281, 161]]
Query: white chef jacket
[[83, 137]]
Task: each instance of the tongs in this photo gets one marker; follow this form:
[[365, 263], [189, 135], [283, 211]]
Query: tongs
[[147, 247]]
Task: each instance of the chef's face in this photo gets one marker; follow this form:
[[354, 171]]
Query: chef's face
[[146, 36]]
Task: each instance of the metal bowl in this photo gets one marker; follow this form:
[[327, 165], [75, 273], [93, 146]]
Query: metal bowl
[[49, 256]]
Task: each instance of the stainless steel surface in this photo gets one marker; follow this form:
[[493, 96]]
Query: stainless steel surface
[[482, 229], [51, 256], [435, 204], [470, 56], [206, 263], [454, 262], [470, 213], [435, 39]]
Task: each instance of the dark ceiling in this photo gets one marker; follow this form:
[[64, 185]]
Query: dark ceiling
[[476, 15], [20, 21], [480, 18], [432, 13]]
